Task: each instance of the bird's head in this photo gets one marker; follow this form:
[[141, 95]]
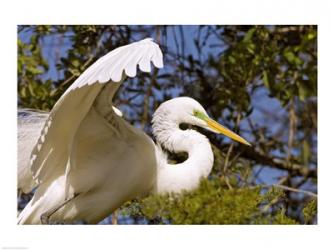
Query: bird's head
[[189, 111]]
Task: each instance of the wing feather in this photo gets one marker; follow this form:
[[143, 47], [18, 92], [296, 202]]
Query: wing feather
[[52, 151], [132, 67], [144, 63], [157, 58], [120, 64]]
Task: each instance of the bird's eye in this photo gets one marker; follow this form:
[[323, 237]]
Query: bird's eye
[[185, 126]]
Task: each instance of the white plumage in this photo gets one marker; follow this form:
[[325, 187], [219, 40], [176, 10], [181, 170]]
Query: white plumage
[[29, 125], [88, 160]]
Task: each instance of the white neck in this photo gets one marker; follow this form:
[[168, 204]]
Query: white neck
[[186, 175]]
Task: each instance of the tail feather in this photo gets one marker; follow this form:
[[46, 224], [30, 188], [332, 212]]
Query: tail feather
[[46, 198], [29, 125]]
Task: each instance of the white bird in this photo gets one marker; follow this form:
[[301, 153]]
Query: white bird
[[88, 160]]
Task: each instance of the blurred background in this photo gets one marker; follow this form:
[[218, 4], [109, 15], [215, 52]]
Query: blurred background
[[259, 81]]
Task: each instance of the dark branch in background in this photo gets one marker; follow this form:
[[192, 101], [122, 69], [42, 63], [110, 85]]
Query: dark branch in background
[[294, 169], [296, 190], [292, 129], [251, 154]]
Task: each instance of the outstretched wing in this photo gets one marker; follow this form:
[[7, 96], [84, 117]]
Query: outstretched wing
[[50, 156]]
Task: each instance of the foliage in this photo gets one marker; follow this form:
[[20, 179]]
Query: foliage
[[212, 203], [310, 211], [33, 92], [260, 81]]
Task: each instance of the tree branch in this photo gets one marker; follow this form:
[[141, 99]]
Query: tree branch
[[292, 189], [293, 168]]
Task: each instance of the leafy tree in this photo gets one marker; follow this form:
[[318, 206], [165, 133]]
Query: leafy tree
[[260, 81]]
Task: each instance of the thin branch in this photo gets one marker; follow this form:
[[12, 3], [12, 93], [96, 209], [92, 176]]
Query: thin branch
[[226, 160], [292, 129], [114, 219], [296, 190], [158, 34], [270, 204]]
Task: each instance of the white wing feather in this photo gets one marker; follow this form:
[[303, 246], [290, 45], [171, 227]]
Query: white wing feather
[[50, 156]]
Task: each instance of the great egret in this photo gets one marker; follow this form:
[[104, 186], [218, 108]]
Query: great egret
[[88, 160]]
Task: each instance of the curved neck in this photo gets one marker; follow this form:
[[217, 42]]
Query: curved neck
[[186, 175]]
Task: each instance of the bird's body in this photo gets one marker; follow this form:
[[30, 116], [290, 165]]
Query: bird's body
[[113, 142], [88, 160]]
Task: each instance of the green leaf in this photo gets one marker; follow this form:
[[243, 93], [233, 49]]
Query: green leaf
[[311, 35], [306, 152], [31, 90], [231, 59], [251, 48], [292, 58], [76, 63], [248, 36], [34, 71], [23, 92], [267, 80], [302, 92]]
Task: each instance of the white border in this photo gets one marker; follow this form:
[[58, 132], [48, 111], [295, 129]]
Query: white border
[[162, 12]]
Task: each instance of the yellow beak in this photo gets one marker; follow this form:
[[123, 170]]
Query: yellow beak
[[218, 128]]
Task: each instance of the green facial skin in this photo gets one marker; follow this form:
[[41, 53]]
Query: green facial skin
[[200, 115]]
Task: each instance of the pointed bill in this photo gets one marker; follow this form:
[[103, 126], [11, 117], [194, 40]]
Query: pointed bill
[[223, 130]]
